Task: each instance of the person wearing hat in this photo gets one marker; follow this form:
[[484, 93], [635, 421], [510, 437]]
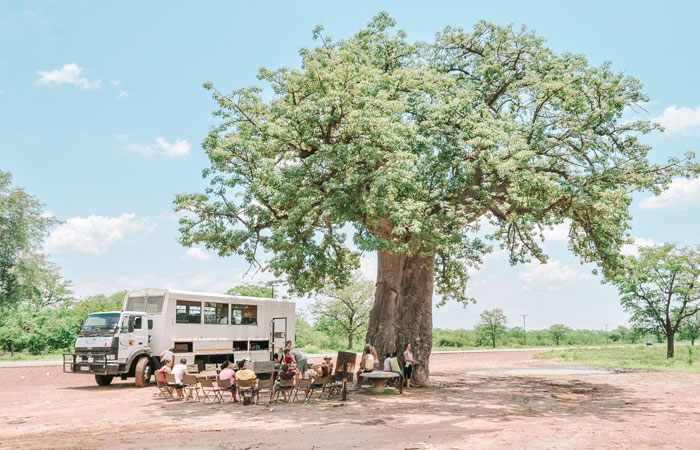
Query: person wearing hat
[[328, 362]]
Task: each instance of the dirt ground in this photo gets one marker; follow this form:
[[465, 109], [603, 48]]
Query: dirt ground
[[45, 408]]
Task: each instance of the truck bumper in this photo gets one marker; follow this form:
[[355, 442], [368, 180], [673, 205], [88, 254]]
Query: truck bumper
[[99, 366]]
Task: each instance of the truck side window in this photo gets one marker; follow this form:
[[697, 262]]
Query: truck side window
[[244, 314], [188, 312], [137, 322]]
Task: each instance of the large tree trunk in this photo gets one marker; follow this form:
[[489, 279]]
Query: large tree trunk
[[402, 312], [670, 337]]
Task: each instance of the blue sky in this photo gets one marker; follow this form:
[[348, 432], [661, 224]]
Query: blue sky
[[102, 114]]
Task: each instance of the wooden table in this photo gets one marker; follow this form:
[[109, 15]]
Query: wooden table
[[379, 378]]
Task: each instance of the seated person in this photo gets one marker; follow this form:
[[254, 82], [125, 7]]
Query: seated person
[[328, 362], [395, 366], [244, 374], [285, 374], [387, 363], [366, 363], [287, 358], [228, 374], [179, 371]]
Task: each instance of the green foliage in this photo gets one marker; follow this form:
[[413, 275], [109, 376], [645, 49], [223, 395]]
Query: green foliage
[[344, 312], [661, 288], [411, 144], [491, 325], [558, 331], [251, 290], [629, 357], [690, 328]]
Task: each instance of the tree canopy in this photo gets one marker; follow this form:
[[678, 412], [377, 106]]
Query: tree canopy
[[412, 143], [661, 288]]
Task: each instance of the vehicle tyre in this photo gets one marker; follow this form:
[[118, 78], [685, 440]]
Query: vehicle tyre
[[104, 380], [143, 372]]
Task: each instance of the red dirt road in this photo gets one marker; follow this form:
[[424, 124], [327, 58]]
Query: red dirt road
[[44, 408]]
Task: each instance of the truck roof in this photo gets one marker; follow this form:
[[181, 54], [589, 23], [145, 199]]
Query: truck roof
[[152, 291]]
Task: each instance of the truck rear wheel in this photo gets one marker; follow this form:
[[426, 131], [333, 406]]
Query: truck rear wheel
[[104, 380], [142, 374]]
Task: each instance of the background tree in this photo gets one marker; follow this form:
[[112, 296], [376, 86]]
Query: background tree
[[690, 328], [661, 288], [492, 324], [411, 144], [345, 309], [558, 331], [251, 290]]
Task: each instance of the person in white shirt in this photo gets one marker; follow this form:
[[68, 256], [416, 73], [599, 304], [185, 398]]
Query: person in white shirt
[[179, 372], [408, 362]]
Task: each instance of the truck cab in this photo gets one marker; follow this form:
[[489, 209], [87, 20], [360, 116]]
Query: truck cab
[[113, 343]]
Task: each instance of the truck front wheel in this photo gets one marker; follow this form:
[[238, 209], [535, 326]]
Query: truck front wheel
[[104, 380], [142, 374]]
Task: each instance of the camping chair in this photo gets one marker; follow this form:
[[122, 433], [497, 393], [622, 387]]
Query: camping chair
[[190, 382], [208, 386], [224, 386], [170, 383], [285, 386], [318, 385], [305, 385], [267, 386], [211, 368], [246, 390], [193, 368], [163, 389]]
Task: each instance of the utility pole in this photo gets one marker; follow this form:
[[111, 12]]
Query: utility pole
[[524, 330], [607, 337]]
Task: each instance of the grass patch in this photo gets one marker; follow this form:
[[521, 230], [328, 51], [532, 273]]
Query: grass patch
[[687, 358], [29, 357]]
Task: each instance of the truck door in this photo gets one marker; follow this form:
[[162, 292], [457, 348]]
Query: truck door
[[279, 334], [133, 335]]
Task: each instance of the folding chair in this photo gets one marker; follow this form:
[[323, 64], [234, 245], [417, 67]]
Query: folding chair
[[246, 390], [305, 385], [267, 386], [285, 386], [319, 384], [163, 389], [208, 386], [170, 382], [224, 386], [193, 368], [191, 383], [211, 367]]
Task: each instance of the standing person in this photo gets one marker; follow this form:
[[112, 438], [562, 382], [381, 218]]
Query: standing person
[[179, 372], [299, 359], [408, 363], [228, 374], [166, 358]]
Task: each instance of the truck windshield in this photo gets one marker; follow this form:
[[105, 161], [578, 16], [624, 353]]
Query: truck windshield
[[100, 323]]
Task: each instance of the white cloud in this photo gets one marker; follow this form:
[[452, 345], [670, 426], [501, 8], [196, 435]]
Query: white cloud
[[94, 235], [551, 276], [68, 74], [121, 137], [115, 82], [122, 94], [368, 267], [161, 147], [29, 13], [675, 119], [196, 253], [681, 193], [559, 232], [633, 248]]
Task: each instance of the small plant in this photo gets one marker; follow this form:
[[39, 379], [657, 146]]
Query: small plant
[[690, 356]]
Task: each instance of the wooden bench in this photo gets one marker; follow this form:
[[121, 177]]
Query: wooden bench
[[379, 378]]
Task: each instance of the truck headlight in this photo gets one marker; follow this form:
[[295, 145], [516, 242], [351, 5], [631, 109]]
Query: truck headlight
[[111, 357]]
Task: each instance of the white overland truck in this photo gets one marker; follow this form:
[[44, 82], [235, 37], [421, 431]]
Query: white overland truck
[[203, 328]]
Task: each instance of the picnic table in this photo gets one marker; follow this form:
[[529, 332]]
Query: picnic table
[[379, 378]]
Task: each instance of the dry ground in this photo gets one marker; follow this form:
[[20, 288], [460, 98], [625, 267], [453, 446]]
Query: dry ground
[[44, 408]]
